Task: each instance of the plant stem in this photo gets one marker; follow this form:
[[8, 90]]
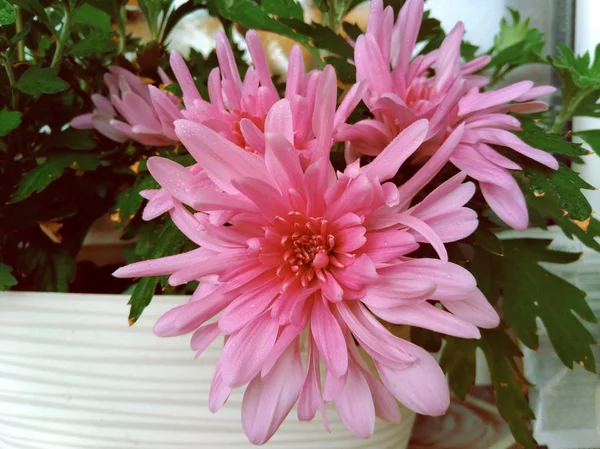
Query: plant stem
[[121, 20], [568, 110], [11, 79], [19, 28], [60, 42]]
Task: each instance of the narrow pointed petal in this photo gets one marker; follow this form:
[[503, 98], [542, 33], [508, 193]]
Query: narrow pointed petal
[[329, 338]]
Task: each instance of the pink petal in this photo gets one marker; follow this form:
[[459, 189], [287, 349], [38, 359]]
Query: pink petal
[[103, 125], [428, 316], [399, 290], [508, 204], [253, 136], [453, 281], [167, 112], [215, 93], [162, 266], [431, 168], [387, 164], [448, 63], [245, 351], [405, 34], [283, 164], [221, 159], [385, 246], [227, 60], [329, 338], [425, 231], [267, 401], [354, 404], [311, 396], [189, 317], [257, 53], [83, 121], [266, 198], [349, 103], [219, 391], [322, 122], [279, 120], [536, 92], [496, 158], [422, 387], [469, 160], [103, 105], [204, 337], [475, 309], [295, 73], [475, 65], [376, 340], [475, 101]]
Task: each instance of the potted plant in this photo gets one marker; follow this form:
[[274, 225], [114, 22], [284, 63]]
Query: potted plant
[[313, 217]]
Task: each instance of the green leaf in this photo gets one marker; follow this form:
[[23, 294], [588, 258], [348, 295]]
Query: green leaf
[[129, 201], [538, 137], [168, 242], [50, 270], [458, 362], [530, 292], [352, 30], [516, 43], [9, 120], [322, 37], [592, 138], [37, 81], [542, 208], [6, 279], [287, 9], [7, 13], [509, 385], [93, 17], [20, 35], [578, 69], [40, 177], [97, 42], [565, 184], [75, 139], [38, 10]]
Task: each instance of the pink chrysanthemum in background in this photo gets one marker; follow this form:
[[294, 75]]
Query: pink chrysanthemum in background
[[243, 110], [447, 96], [306, 248], [130, 98]]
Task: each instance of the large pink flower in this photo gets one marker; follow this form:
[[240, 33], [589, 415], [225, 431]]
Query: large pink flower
[[130, 98], [309, 249], [439, 87]]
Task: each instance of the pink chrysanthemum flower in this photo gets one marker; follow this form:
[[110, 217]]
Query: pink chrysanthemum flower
[[130, 98], [312, 254], [242, 110], [401, 91]]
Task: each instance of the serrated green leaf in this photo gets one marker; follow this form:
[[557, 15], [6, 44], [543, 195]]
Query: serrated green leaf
[[322, 37], [509, 384], [169, 242], [346, 72], [129, 201], [516, 43], [7, 13], [9, 120], [542, 208], [288, 9], [538, 137], [565, 184], [352, 30], [96, 43], [489, 241], [93, 17], [592, 138], [577, 68], [37, 81], [6, 279], [40, 177], [531, 292], [458, 362]]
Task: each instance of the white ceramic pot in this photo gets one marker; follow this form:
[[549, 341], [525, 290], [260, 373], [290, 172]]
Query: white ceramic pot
[[73, 375]]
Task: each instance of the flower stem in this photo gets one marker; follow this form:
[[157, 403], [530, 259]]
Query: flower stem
[[11, 79], [60, 42], [19, 28], [568, 110], [121, 20]]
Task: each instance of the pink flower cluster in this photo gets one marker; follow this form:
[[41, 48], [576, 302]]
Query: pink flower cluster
[[299, 264]]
